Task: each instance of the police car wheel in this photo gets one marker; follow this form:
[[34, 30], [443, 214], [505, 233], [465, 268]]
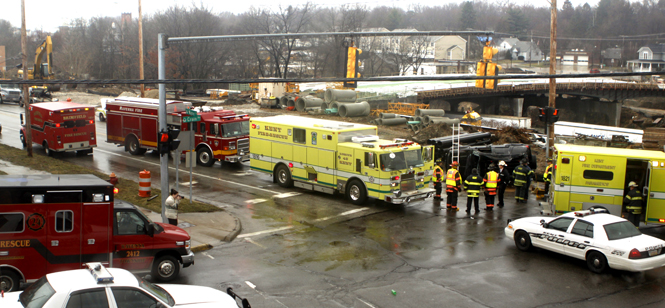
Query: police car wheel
[[166, 268], [355, 192], [522, 241], [596, 262], [101, 117], [284, 177], [9, 281]]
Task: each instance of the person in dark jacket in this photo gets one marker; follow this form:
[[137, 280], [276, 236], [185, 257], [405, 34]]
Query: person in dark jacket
[[504, 179], [633, 203], [438, 178], [472, 186], [522, 175]]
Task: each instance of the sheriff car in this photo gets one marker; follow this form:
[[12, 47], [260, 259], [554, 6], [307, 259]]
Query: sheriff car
[[102, 287], [603, 240]]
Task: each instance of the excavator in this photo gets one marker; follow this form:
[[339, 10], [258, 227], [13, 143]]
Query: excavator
[[472, 118], [42, 71]]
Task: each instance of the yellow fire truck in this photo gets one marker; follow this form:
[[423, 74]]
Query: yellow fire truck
[[331, 156], [585, 177]]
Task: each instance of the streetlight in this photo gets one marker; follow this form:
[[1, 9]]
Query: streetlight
[[511, 56]]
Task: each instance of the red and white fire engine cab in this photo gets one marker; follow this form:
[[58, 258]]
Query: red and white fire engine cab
[[219, 135], [51, 223], [62, 127]]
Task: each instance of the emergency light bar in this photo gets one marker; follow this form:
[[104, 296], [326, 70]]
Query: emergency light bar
[[233, 116], [99, 272], [390, 145], [591, 211], [368, 138]]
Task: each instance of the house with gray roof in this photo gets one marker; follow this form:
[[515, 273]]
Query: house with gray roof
[[651, 58]]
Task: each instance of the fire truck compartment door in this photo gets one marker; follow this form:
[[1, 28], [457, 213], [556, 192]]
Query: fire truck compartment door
[[64, 224], [654, 194]]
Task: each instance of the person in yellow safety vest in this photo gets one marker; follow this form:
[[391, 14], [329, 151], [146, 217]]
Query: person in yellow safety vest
[[633, 203], [522, 174], [438, 175], [453, 186], [472, 185], [547, 177], [490, 181]]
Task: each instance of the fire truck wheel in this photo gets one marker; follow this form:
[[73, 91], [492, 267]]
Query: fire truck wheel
[[596, 262], [204, 157], [133, 146], [283, 177], [355, 192], [23, 139], [166, 268], [47, 151], [9, 281]]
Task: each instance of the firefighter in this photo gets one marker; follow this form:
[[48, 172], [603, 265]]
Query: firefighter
[[504, 179], [438, 179], [490, 181], [547, 177], [453, 186], [521, 174], [633, 203], [472, 185]]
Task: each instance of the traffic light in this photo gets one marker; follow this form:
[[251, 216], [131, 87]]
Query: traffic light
[[163, 142], [552, 114], [173, 139], [487, 68], [542, 114], [352, 65]]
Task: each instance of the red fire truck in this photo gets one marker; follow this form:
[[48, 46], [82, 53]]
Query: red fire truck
[[51, 223], [219, 135], [62, 127]]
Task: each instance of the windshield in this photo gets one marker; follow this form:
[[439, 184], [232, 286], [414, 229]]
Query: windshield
[[401, 160], [36, 295], [8, 86], [156, 291], [621, 230], [235, 129]]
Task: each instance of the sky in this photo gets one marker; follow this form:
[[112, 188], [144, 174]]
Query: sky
[[48, 15]]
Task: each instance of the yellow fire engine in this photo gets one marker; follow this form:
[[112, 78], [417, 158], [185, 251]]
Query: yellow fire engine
[[585, 177], [330, 156]]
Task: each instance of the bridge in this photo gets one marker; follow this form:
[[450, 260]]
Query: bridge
[[595, 101]]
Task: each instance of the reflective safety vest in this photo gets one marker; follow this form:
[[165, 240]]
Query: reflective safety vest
[[547, 176], [453, 178], [472, 185], [633, 202], [491, 179], [438, 174], [520, 173]]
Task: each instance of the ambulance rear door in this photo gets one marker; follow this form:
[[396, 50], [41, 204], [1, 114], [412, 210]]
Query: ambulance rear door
[[654, 193], [64, 229], [562, 182]]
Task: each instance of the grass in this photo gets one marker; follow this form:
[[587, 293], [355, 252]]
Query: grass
[[128, 189]]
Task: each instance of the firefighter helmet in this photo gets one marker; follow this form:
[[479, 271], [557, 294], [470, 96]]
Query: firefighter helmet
[[632, 184], [455, 164]]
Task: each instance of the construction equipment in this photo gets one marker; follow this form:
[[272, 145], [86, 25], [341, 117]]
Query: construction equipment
[[42, 71], [472, 118]]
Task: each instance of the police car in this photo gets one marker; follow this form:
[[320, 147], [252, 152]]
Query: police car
[[102, 287], [603, 240]]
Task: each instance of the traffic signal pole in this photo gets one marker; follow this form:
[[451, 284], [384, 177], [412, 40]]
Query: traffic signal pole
[[552, 94], [163, 158]]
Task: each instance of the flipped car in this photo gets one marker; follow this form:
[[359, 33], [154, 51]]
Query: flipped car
[[601, 239]]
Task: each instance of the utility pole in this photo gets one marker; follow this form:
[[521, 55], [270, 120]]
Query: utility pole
[[26, 93], [141, 50], [552, 94], [163, 157]]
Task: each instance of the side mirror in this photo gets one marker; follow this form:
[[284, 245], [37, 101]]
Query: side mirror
[[429, 151], [544, 224], [150, 229], [370, 159], [21, 116]]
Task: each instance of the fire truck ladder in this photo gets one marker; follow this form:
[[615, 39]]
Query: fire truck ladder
[[456, 130]]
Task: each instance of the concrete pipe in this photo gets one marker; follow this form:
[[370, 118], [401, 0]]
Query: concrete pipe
[[354, 110], [387, 115], [334, 95], [431, 112], [324, 106], [290, 102], [448, 121], [419, 119], [282, 101], [395, 121], [336, 105], [378, 121], [428, 119], [304, 102], [416, 128]]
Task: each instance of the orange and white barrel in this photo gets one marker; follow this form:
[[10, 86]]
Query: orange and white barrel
[[144, 183]]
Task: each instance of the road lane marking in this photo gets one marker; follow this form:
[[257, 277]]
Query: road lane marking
[[286, 195], [251, 285], [255, 243], [255, 201], [291, 227], [207, 255], [366, 303], [197, 174]]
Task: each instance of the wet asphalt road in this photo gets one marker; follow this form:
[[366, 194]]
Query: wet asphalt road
[[306, 249]]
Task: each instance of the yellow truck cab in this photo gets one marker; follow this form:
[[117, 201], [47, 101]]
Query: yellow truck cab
[[331, 156], [585, 177]]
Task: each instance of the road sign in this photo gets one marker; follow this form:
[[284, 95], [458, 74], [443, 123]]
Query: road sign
[[191, 112], [190, 119]]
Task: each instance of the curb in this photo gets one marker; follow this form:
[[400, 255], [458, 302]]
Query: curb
[[229, 238]]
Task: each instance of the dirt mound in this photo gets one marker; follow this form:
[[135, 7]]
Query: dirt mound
[[432, 131], [511, 135]]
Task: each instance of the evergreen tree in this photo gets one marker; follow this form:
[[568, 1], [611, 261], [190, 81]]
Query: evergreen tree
[[468, 17]]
